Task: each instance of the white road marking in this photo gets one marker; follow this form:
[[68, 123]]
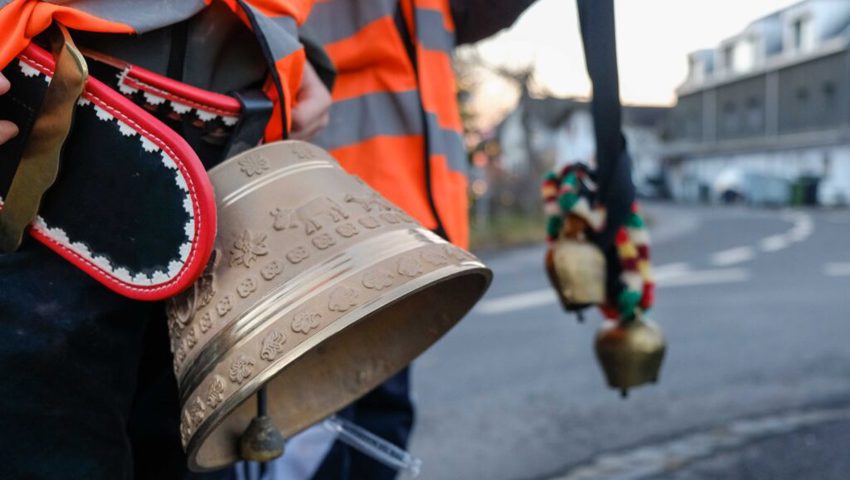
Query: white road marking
[[518, 301], [666, 276], [774, 243], [732, 256], [665, 457], [803, 228], [837, 269], [704, 277], [669, 269]]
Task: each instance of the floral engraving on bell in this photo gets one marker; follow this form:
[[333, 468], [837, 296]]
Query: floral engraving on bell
[[215, 394], [272, 269], [342, 299], [223, 306], [246, 287], [191, 339], [297, 254], [434, 258], [180, 355], [241, 368], [409, 267], [323, 241], [203, 292], [284, 219], [197, 411], [272, 345], [205, 288], [185, 432], [301, 152], [312, 212], [369, 222], [455, 253], [377, 279], [303, 322], [347, 230], [205, 323], [180, 309], [254, 164], [247, 248], [391, 217], [369, 202]]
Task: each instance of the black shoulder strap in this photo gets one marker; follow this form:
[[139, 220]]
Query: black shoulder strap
[[616, 190]]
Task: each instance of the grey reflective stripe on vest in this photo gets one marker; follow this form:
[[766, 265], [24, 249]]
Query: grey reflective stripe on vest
[[142, 15], [448, 143], [368, 116], [281, 33], [432, 32], [339, 19]]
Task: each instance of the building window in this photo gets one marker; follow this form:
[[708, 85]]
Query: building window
[[693, 128], [696, 70], [801, 31], [730, 117], [729, 58], [798, 34], [829, 103], [754, 114], [801, 115]]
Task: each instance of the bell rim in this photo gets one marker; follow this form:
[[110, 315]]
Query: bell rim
[[471, 267], [389, 246]]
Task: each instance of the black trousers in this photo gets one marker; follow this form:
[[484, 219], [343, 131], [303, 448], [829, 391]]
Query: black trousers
[[387, 412], [86, 389]]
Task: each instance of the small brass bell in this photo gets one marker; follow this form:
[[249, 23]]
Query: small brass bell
[[576, 267], [630, 352]]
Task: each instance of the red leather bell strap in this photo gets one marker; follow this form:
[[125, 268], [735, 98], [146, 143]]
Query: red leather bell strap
[[133, 206]]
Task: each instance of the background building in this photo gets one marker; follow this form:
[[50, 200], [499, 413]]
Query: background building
[[766, 114]]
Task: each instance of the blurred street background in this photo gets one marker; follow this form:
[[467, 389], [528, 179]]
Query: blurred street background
[[737, 116], [756, 383]]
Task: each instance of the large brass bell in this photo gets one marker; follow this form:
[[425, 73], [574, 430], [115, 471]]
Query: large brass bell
[[576, 267], [319, 290], [630, 352]]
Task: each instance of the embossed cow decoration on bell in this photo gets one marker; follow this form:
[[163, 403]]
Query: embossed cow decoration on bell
[[318, 291]]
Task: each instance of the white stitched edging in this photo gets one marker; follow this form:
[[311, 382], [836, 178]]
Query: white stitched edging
[[122, 273]]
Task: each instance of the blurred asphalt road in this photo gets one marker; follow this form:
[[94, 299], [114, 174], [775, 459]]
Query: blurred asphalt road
[[756, 383]]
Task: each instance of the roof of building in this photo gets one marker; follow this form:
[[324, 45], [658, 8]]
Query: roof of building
[[554, 111]]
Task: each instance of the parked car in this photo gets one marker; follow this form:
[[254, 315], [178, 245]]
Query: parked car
[[736, 185]]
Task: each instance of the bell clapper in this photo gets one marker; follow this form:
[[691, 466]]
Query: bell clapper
[[261, 441]]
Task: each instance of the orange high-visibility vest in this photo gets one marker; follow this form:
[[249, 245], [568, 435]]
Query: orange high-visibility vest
[[395, 121], [275, 22]]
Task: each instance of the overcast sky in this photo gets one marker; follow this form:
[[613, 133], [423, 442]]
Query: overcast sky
[[653, 36]]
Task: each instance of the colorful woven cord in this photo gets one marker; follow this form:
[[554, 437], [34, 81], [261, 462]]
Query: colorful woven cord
[[571, 191], [637, 286]]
